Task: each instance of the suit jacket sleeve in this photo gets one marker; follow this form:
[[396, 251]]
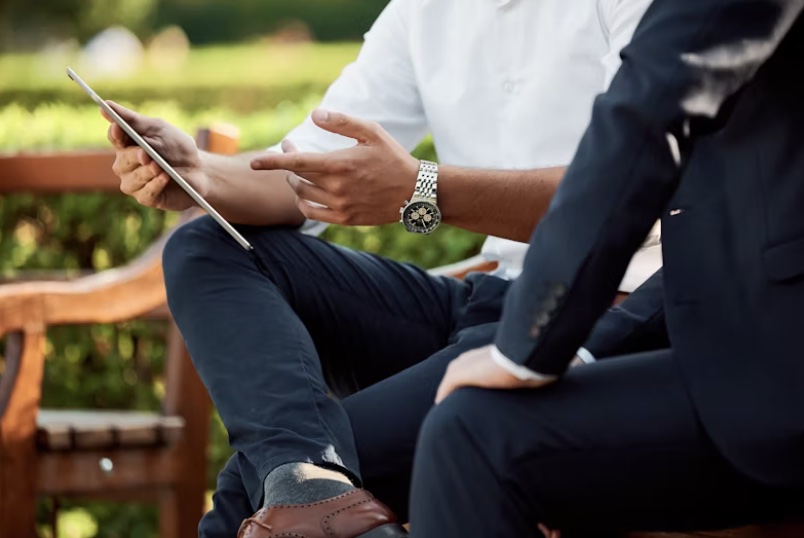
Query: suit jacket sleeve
[[686, 61], [634, 326]]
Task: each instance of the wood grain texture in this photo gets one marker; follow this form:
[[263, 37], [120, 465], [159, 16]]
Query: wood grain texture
[[86, 430], [20, 394], [56, 173], [109, 296], [87, 171], [82, 474], [187, 397]]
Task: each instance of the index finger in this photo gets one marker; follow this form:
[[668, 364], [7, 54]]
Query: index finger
[[294, 162], [335, 122], [117, 137]]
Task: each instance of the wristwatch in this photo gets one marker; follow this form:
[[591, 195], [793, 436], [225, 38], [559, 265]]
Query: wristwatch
[[421, 215]]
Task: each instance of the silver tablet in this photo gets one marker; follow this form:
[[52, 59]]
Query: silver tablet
[[161, 162]]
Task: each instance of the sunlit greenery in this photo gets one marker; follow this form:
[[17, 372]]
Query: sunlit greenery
[[265, 65], [62, 126], [240, 77]]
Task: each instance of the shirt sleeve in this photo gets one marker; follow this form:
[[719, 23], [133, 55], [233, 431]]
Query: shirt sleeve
[[526, 374], [380, 86], [585, 355], [619, 19]]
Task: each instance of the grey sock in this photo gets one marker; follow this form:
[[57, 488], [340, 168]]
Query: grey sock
[[301, 483]]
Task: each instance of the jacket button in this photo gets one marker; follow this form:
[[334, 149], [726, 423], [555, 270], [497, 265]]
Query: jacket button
[[543, 319], [550, 304]]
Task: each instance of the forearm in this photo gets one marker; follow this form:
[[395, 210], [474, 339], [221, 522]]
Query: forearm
[[505, 204], [245, 196]]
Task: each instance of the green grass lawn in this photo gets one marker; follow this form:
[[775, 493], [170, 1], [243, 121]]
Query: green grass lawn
[[264, 65], [238, 77]]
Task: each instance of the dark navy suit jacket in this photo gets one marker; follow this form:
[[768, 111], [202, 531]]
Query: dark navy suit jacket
[[703, 126]]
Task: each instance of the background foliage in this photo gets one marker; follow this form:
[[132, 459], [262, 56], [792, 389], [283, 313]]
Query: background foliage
[[241, 78], [24, 23], [121, 366], [327, 20]]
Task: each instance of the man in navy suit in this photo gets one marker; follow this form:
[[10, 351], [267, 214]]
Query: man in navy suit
[[695, 419]]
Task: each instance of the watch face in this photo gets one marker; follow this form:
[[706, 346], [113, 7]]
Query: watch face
[[421, 217]]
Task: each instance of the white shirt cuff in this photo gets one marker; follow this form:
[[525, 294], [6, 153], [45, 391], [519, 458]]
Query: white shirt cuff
[[585, 356], [517, 370]]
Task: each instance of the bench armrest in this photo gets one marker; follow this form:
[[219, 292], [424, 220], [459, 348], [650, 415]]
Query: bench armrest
[[108, 296]]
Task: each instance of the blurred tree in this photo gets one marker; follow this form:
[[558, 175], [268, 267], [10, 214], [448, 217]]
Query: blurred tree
[[214, 21], [5, 23], [95, 15], [25, 24], [35, 22]]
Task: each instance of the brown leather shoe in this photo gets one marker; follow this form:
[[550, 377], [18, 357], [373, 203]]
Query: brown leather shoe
[[356, 514]]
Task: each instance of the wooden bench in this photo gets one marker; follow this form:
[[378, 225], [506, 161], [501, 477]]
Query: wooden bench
[[121, 456]]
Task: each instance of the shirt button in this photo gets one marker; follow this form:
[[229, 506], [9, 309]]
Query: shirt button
[[508, 86]]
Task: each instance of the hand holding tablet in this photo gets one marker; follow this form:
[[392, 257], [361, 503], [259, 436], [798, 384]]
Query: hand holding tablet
[[159, 160]]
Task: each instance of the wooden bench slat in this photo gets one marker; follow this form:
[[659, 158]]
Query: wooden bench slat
[[46, 173], [92, 430]]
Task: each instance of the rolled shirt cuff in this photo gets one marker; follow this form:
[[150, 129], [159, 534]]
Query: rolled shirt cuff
[[585, 355]]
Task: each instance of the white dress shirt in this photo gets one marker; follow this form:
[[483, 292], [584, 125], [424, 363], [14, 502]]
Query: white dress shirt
[[501, 84]]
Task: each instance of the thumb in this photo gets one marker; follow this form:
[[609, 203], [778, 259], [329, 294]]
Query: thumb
[[289, 147], [361, 130], [137, 121]]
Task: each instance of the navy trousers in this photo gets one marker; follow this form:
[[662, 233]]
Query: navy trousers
[[276, 332], [613, 446]]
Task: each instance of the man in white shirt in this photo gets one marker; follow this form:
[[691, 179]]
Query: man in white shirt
[[505, 87]]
